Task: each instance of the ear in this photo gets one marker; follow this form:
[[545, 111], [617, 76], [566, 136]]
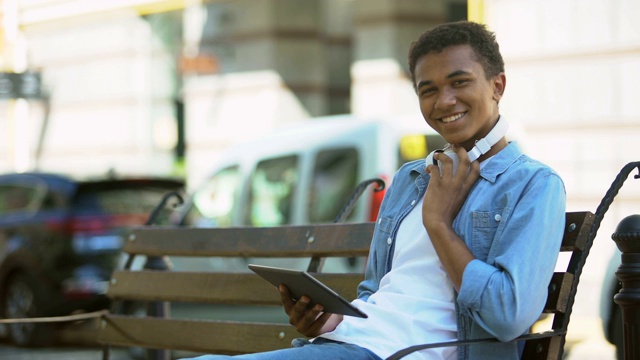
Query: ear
[[499, 83]]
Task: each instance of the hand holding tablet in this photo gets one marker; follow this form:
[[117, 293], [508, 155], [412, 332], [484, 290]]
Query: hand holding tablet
[[301, 283]]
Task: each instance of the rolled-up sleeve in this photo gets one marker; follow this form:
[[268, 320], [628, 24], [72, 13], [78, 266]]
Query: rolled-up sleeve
[[506, 293]]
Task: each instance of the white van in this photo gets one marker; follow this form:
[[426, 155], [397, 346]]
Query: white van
[[296, 175], [305, 173]]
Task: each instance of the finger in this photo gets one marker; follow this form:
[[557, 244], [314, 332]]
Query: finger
[[285, 297], [316, 326], [310, 317], [446, 162], [294, 309], [463, 155], [299, 311], [464, 162], [434, 162], [433, 170], [301, 306], [473, 175]]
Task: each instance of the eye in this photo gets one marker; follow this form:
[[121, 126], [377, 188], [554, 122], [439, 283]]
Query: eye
[[427, 91], [459, 82]]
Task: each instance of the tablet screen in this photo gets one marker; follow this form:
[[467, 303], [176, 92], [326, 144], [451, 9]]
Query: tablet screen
[[301, 283]]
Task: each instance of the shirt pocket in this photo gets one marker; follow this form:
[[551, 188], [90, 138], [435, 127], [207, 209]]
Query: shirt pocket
[[485, 226]]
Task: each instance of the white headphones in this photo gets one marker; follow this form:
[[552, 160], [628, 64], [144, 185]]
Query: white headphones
[[481, 147]]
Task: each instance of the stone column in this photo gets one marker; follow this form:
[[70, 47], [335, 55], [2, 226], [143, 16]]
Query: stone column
[[305, 44], [278, 61], [383, 31]]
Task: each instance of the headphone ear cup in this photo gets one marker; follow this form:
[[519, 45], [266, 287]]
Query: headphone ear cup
[[452, 154], [429, 160]]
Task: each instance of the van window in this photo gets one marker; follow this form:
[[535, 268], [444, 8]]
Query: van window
[[335, 175], [214, 203], [271, 191]]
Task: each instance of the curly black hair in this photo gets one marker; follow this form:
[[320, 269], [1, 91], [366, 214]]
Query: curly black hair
[[482, 41]]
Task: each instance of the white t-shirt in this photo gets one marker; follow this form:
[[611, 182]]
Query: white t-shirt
[[414, 304]]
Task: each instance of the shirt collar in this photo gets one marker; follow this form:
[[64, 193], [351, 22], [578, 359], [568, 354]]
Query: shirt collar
[[495, 166]]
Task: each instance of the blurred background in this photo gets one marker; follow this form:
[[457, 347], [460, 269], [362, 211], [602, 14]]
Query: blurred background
[[163, 88]]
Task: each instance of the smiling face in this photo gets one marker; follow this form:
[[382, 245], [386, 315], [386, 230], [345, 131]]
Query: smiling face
[[456, 98]]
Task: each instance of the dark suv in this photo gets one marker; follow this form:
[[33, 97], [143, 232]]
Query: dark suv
[[60, 239]]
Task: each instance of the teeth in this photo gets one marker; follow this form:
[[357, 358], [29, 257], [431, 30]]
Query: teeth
[[455, 117]]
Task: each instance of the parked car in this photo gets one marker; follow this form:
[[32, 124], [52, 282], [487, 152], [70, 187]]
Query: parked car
[[60, 239], [610, 312]]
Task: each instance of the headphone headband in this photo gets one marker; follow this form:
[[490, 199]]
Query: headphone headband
[[483, 145]]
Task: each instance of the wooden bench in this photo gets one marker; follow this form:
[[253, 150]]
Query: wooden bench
[[308, 241], [332, 240]]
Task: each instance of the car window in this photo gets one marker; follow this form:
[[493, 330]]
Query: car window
[[335, 175], [52, 201], [19, 198], [214, 203], [122, 199], [271, 191]]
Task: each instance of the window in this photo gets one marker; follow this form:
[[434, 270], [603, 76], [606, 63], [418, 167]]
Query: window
[[214, 203], [335, 177], [131, 201], [271, 192], [18, 198]]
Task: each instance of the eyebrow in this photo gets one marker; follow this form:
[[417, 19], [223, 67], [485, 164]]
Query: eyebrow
[[452, 75]]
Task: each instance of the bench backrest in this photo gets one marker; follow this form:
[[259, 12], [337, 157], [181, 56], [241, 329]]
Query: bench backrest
[[306, 241], [562, 289]]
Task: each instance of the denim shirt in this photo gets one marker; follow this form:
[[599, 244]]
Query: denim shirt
[[512, 221]]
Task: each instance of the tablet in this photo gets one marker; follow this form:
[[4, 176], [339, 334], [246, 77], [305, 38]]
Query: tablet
[[301, 283]]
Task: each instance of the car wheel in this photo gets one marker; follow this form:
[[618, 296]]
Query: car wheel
[[25, 298], [616, 332]]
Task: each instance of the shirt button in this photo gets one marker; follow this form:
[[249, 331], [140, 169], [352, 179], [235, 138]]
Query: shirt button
[[379, 221], [497, 217], [413, 202], [389, 241]]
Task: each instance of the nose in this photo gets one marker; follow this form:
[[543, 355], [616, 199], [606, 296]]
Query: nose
[[446, 99]]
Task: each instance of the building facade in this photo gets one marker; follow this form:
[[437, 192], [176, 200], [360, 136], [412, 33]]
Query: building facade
[[162, 87]]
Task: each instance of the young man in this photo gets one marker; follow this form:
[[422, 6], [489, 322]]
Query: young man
[[457, 253]]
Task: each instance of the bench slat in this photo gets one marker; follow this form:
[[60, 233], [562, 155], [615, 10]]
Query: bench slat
[[559, 291], [546, 348], [196, 335], [249, 289], [228, 288], [576, 231], [350, 239]]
